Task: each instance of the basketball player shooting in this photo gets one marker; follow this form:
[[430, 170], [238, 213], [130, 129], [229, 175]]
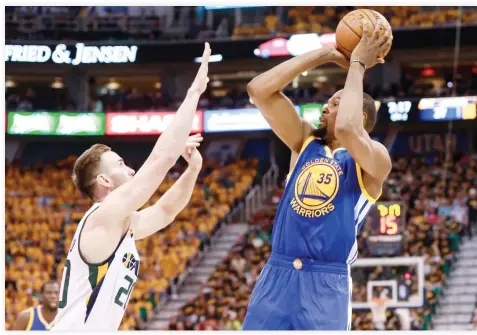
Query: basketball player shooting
[[336, 175], [102, 265]]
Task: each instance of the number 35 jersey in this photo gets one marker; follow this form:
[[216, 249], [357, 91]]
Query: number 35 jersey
[[323, 207], [95, 296]]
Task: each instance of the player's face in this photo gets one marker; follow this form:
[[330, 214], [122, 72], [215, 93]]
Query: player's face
[[49, 296], [328, 118], [113, 171]]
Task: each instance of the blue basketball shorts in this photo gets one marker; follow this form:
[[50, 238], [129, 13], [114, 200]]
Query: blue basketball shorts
[[300, 294]]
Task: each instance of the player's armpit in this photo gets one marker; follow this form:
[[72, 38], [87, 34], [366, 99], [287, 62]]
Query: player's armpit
[[22, 320], [282, 117], [371, 156]]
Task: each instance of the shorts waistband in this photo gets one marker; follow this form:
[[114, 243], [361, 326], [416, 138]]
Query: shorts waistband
[[304, 264]]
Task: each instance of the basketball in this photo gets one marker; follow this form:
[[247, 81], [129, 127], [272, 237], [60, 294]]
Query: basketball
[[350, 29]]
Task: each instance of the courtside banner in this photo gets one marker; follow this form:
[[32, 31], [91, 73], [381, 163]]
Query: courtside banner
[[55, 123], [244, 119], [145, 123]]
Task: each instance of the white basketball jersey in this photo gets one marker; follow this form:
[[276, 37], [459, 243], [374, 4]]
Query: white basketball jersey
[[95, 296]]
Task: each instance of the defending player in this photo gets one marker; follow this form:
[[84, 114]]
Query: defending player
[[102, 266], [40, 317], [336, 174]]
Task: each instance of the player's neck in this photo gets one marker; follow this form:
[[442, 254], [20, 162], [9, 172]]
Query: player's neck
[[333, 145], [47, 314]]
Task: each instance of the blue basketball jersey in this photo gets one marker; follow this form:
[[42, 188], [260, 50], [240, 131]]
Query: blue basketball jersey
[[36, 321], [323, 206]]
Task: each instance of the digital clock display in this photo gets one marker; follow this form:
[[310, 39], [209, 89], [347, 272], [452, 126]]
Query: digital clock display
[[388, 218]]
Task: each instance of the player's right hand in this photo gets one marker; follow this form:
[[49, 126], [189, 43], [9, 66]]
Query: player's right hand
[[201, 79], [370, 47]]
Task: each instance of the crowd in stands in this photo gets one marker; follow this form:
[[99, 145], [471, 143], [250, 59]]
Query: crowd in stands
[[43, 209], [153, 23], [27, 98], [38, 98], [435, 191], [322, 20]]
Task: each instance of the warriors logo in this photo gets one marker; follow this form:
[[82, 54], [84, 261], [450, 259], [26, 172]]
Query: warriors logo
[[315, 188]]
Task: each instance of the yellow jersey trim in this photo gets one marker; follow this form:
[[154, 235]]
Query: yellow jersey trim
[[102, 272], [305, 144], [361, 186], [303, 147], [336, 150], [328, 152], [30, 320]]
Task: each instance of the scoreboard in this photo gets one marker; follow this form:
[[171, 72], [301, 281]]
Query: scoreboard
[[448, 109], [387, 226]]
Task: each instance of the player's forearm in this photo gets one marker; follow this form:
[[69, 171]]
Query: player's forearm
[[170, 144], [350, 111], [277, 78], [178, 196]]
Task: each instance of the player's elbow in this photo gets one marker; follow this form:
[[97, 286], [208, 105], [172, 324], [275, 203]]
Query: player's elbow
[[168, 212], [257, 90], [252, 89]]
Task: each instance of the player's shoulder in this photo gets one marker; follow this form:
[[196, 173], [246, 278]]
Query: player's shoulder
[[26, 312], [23, 319]]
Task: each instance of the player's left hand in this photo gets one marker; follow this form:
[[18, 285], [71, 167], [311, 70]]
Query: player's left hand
[[191, 154], [371, 46]]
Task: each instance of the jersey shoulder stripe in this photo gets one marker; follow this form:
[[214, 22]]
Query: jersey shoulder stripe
[[30, 320]]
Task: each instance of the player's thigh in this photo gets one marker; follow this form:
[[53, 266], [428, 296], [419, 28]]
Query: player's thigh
[[267, 305], [325, 302]]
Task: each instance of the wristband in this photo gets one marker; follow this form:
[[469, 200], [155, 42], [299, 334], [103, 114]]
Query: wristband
[[357, 60]]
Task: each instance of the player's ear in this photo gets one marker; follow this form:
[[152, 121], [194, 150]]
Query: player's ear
[[101, 179], [365, 118]]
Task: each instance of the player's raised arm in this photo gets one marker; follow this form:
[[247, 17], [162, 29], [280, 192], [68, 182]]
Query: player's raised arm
[[278, 110], [129, 197], [163, 212], [371, 155]]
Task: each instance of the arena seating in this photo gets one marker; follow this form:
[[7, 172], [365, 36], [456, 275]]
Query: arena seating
[[43, 209], [44, 98], [222, 302], [322, 20], [149, 23]]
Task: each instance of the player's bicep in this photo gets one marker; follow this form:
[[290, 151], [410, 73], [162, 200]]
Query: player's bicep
[[22, 321], [130, 196], [282, 117], [371, 156], [149, 221]]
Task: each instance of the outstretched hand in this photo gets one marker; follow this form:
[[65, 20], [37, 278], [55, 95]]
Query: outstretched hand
[[191, 154], [370, 48], [201, 79]]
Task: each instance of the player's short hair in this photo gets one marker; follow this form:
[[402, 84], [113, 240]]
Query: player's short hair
[[369, 109], [42, 289], [86, 167]]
